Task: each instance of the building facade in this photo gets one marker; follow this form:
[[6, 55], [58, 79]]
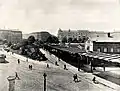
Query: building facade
[[72, 34], [11, 35], [106, 47], [16, 36], [105, 42]]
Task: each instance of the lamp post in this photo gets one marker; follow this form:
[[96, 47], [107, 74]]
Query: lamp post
[[78, 64], [44, 75], [78, 59], [91, 65]]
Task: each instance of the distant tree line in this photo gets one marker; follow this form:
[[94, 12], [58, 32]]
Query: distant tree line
[[30, 48]]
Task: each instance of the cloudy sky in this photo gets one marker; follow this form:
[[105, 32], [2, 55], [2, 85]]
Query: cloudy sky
[[37, 15]]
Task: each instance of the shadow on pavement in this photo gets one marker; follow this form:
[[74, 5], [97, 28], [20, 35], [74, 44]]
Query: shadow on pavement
[[5, 62]]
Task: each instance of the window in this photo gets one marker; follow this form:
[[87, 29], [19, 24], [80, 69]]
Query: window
[[111, 50], [118, 50], [105, 49], [98, 49]]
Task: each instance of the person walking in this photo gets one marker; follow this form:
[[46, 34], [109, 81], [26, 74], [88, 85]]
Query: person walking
[[75, 77], [94, 79], [31, 67], [16, 76], [65, 67], [56, 63], [27, 60], [47, 65], [18, 61]]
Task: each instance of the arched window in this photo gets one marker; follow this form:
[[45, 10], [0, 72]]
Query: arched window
[[105, 49]]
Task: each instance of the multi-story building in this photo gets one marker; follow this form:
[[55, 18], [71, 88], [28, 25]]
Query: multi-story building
[[16, 36], [108, 42], [72, 34], [11, 35], [38, 35], [105, 42]]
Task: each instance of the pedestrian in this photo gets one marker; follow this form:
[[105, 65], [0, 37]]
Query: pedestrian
[[94, 79], [18, 61], [27, 60], [16, 76], [58, 59], [31, 67], [75, 77], [56, 63], [47, 65], [94, 68], [65, 67]]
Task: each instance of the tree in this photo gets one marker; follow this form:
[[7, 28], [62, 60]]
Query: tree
[[55, 39], [64, 40], [79, 39], [69, 40], [39, 43], [23, 42], [31, 39], [52, 39], [9, 44], [84, 39], [75, 40]]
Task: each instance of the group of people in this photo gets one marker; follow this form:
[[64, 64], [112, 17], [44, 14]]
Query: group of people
[[75, 78], [16, 74], [65, 68], [30, 67]]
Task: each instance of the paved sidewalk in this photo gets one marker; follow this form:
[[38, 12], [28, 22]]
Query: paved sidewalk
[[111, 73], [88, 76], [85, 77]]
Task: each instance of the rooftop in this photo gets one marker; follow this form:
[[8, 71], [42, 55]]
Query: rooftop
[[103, 56], [69, 49]]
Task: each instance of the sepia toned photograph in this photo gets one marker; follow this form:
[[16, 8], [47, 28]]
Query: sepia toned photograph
[[59, 45]]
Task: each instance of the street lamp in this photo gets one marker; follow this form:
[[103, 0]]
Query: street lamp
[[44, 75]]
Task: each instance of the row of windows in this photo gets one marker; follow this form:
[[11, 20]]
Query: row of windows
[[106, 50]]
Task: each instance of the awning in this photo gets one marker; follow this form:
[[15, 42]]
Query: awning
[[115, 60]]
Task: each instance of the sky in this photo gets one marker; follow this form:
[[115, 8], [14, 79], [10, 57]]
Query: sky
[[50, 15]]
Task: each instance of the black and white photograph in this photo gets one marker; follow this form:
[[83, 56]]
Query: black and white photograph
[[59, 45]]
